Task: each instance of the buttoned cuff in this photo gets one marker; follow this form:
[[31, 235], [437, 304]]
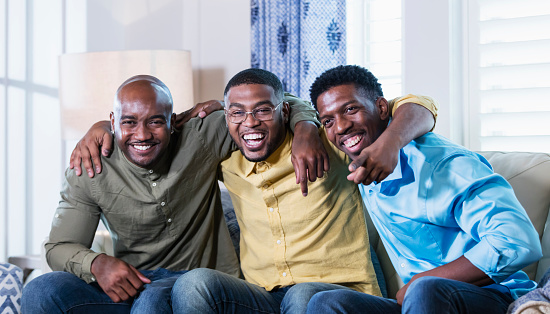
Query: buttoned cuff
[[492, 262], [86, 274]]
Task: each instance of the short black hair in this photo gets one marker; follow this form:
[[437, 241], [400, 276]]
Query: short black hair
[[362, 78], [256, 76]]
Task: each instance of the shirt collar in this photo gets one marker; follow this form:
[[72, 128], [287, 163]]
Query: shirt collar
[[283, 150]]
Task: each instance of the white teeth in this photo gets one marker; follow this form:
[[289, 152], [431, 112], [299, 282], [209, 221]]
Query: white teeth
[[350, 142], [254, 136], [142, 147]]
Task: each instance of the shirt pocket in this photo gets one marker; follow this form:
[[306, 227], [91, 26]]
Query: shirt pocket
[[416, 240], [132, 219]]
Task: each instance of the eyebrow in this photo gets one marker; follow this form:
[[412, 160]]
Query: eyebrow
[[260, 103], [353, 101], [157, 116]]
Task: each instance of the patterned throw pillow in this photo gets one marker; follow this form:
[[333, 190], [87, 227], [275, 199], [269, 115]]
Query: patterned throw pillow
[[11, 285]]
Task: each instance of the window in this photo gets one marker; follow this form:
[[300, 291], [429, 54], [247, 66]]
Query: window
[[509, 81], [374, 40], [32, 36]]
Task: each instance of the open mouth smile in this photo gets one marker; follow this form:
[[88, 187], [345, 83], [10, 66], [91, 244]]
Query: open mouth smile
[[253, 139], [352, 141], [142, 147]]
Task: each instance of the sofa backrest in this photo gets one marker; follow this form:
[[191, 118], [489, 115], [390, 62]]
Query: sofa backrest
[[529, 176]]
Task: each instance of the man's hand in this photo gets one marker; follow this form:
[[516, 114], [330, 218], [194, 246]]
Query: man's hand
[[374, 163], [119, 280], [87, 149], [400, 296], [309, 157], [200, 110]]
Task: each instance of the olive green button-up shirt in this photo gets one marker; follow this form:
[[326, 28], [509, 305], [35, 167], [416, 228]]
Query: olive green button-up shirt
[[169, 216]]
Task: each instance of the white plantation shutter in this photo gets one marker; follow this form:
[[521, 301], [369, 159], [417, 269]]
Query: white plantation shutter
[[509, 75], [374, 40]]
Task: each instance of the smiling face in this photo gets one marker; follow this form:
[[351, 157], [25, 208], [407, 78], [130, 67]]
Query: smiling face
[[141, 121], [351, 120], [256, 139]]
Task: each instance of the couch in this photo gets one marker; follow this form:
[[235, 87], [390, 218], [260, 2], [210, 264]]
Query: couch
[[528, 173]]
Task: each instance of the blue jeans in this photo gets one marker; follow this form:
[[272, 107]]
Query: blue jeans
[[209, 291], [424, 295], [62, 292]]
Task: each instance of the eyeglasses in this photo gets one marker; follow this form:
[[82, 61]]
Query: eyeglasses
[[264, 113]]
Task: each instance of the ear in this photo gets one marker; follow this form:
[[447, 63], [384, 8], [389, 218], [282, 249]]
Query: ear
[[286, 111], [112, 115], [382, 106]]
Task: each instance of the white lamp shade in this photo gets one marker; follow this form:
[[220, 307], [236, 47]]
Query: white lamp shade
[[88, 83]]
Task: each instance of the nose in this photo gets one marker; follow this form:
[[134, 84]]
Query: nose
[[142, 132], [342, 125], [250, 121]]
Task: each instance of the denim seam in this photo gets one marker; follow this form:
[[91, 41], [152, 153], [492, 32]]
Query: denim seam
[[243, 305], [95, 303]]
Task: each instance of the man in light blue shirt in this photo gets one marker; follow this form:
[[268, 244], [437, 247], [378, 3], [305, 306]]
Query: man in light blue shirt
[[454, 230]]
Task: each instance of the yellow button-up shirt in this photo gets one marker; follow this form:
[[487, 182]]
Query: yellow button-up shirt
[[287, 238]]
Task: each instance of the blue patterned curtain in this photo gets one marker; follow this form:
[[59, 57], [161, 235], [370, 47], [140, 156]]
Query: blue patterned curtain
[[298, 39]]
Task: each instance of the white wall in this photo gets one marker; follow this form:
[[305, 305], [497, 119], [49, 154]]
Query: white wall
[[428, 66], [217, 33]]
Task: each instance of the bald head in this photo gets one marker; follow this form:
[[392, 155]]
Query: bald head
[[144, 84], [142, 119]]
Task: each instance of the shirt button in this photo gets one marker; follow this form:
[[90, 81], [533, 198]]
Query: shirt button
[[56, 215], [154, 184], [169, 220], [150, 171], [162, 203], [271, 209], [402, 264], [278, 241], [284, 274]]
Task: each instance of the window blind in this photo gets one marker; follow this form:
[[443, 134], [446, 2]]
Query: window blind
[[509, 75], [374, 40]]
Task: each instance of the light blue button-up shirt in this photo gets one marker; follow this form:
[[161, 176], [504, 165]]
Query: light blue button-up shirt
[[443, 201]]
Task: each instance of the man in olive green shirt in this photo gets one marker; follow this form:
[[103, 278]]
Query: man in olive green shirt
[[158, 196]]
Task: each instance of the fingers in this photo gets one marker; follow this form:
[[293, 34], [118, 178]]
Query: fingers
[[107, 146], [303, 185], [301, 174], [86, 160], [326, 163], [208, 107], [74, 163], [76, 160], [141, 277]]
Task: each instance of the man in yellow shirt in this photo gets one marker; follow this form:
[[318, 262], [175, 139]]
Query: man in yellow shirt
[[291, 246]]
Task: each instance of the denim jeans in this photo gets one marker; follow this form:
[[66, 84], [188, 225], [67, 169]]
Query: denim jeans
[[424, 295], [209, 291], [62, 292]]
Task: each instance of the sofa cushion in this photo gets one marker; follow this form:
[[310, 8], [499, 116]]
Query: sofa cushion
[[529, 176], [11, 285]]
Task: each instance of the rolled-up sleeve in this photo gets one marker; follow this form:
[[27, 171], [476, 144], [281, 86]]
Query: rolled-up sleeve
[[485, 206], [424, 101], [73, 229]]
